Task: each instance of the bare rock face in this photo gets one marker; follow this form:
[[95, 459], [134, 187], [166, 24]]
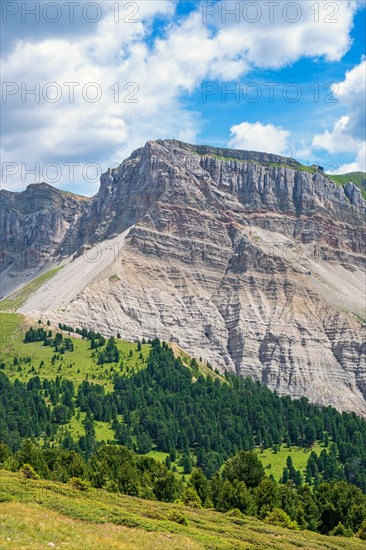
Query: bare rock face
[[32, 226], [248, 260], [169, 185]]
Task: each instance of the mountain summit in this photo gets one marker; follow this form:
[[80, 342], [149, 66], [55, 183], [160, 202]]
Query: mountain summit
[[249, 260]]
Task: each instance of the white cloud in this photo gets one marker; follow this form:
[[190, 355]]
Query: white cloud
[[338, 139], [360, 162], [352, 93], [164, 69], [290, 32], [260, 137], [348, 132]]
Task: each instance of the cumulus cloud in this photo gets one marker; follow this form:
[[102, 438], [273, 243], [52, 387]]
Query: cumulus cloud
[[337, 140], [278, 34], [359, 163], [260, 137], [144, 76], [348, 132]]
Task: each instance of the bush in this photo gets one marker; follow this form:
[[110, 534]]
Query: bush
[[341, 531], [29, 472], [244, 466], [279, 517], [362, 531], [79, 484], [11, 464], [178, 517], [5, 451], [235, 513], [190, 498]]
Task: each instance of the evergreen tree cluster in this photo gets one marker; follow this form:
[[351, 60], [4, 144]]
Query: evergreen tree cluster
[[210, 425], [168, 406], [66, 328], [35, 335], [336, 508], [33, 409], [217, 419], [291, 474], [96, 339], [60, 343], [110, 354]]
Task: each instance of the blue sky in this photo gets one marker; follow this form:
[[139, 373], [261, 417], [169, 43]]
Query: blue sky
[[302, 118], [105, 81]]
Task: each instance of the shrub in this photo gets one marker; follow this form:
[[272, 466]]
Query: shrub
[[279, 517], [235, 513], [5, 451], [362, 531], [190, 498], [178, 517], [244, 466], [11, 464], [341, 531], [29, 472], [79, 484]]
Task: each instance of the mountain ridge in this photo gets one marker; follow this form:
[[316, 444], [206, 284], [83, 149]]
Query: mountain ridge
[[256, 266]]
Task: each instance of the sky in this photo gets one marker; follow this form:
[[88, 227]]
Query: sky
[[85, 83]]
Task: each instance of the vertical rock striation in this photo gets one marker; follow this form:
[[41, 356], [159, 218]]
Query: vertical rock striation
[[249, 260]]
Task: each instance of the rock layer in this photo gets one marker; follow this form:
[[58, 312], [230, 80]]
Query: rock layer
[[249, 260], [32, 226]]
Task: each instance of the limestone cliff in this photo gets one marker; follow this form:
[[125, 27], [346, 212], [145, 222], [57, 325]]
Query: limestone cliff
[[251, 261], [32, 226]]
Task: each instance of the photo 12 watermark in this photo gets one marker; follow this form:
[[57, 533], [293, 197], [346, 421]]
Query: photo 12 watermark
[[253, 92], [69, 92], [269, 12], [51, 172], [71, 12]]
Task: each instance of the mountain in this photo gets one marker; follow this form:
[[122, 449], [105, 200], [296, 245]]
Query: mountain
[[33, 224], [358, 178], [249, 260]]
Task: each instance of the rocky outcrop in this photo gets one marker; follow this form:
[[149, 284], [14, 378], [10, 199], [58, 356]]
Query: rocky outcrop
[[251, 261], [32, 226], [168, 180]]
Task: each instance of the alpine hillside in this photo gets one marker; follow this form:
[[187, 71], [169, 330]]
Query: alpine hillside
[[251, 261]]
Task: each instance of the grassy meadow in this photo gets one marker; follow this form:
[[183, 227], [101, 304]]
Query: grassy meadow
[[40, 514], [22, 361], [274, 463], [78, 365], [81, 364]]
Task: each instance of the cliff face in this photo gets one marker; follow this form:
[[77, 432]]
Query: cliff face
[[169, 185], [32, 226], [249, 260]]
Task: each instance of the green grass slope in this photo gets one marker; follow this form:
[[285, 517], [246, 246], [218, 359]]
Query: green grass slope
[[38, 514], [23, 361], [274, 463], [76, 366]]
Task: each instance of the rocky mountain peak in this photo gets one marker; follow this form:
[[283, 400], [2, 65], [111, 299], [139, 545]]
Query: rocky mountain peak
[[252, 261]]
